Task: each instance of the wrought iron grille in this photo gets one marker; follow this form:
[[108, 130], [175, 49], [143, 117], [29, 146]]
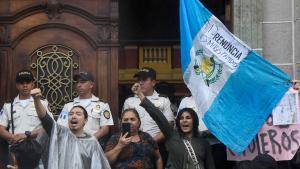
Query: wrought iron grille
[[54, 66]]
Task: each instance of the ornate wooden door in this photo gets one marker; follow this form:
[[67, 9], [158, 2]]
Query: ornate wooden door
[[56, 39]]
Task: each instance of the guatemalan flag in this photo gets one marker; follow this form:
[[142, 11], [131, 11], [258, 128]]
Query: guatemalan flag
[[235, 87]]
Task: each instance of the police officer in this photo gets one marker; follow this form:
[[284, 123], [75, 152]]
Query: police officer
[[147, 79], [25, 119], [99, 114]]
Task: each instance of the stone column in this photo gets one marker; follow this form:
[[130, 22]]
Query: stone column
[[297, 38], [279, 34], [247, 18]]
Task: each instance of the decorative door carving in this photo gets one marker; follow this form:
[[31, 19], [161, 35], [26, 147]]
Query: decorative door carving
[[55, 66]]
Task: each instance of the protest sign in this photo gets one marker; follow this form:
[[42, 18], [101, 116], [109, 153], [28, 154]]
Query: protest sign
[[279, 141], [286, 112]]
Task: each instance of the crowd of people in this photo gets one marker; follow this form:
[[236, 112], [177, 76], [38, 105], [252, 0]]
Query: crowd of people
[[81, 137]]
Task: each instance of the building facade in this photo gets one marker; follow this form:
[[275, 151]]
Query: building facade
[[113, 39], [272, 28]]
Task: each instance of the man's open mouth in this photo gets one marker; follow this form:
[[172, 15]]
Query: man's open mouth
[[74, 122]]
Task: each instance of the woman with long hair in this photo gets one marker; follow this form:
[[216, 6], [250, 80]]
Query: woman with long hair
[[187, 149]]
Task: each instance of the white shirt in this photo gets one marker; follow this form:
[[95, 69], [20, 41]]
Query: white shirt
[[99, 114], [25, 116], [148, 125]]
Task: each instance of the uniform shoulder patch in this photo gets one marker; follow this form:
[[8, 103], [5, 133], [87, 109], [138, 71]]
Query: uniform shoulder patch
[[106, 114], [97, 108], [63, 115]]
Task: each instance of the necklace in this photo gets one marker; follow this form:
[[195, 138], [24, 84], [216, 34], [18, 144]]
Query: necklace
[[191, 152]]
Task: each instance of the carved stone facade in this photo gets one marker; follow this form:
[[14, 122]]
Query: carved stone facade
[[53, 9], [104, 33]]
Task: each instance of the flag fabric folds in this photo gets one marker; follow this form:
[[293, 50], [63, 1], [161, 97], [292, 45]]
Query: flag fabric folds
[[235, 87]]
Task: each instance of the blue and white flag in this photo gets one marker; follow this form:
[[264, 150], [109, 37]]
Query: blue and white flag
[[235, 87]]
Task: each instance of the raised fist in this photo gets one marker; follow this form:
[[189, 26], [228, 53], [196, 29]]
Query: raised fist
[[36, 93], [136, 88]]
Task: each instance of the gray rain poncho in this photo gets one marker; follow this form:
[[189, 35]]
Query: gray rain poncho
[[66, 151]]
